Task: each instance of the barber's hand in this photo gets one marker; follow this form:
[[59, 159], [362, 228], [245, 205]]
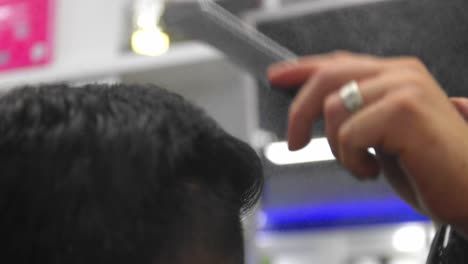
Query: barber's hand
[[420, 137]]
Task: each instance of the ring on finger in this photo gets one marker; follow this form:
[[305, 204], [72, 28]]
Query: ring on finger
[[351, 96]]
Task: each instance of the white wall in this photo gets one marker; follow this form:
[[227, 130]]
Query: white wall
[[90, 36], [88, 30]]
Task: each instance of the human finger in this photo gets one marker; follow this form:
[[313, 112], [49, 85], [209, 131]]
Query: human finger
[[291, 76], [461, 104], [398, 179], [294, 73], [371, 90], [308, 104], [370, 128]]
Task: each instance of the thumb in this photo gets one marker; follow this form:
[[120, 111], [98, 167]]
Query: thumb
[[462, 106]]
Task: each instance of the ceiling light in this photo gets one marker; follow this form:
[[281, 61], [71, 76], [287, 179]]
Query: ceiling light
[[411, 238], [148, 38], [151, 42]]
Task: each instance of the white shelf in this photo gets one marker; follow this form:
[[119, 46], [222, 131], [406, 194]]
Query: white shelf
[[88, 68]]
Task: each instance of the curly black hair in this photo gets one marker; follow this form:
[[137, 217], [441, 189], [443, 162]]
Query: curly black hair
[[119, 174]]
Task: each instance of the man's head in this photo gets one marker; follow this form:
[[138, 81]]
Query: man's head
[[120, 174]]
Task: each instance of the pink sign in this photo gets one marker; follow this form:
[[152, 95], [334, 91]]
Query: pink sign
[[25, 33]]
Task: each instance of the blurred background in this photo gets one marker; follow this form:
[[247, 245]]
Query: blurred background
[[312, 210]]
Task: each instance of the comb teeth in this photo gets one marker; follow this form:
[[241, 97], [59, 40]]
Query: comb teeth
[[244, 31]]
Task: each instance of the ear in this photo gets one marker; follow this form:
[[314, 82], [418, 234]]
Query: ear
[[462, 106]]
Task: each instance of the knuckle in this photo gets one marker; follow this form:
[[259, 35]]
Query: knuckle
[[414, 63], [324, 76], [330, 107], [414, 79], [407, 101], [344, 139]]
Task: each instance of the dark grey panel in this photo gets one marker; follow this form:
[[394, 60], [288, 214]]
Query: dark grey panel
[[434, 30], [317, 183], [239, 6]]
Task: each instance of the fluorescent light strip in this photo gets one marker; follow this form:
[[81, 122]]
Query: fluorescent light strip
[[317, 150]]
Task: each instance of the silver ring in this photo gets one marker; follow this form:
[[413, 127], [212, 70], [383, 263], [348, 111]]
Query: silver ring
[[351, 96]]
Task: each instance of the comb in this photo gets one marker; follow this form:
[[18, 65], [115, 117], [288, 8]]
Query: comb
[[206, 21]]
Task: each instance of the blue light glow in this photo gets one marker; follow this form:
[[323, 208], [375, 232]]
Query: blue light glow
[[340, 214]]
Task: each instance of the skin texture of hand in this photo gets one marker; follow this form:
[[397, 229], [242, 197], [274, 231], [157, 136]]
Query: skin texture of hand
[[419, 134]]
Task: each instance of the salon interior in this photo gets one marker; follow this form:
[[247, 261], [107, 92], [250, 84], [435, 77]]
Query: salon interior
[[215, 54]]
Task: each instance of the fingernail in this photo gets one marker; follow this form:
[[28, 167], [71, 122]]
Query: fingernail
[[292, 147], [295, 146], [274, 70], [464, 105]]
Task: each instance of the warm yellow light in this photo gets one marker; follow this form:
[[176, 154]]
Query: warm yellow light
[[150, 42], [146, 20]]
